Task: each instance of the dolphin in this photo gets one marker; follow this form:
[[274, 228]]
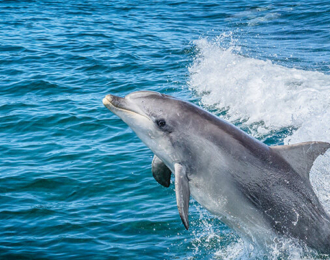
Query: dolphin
[[259, 191]]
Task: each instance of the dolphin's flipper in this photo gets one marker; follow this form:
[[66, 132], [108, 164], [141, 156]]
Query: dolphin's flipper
[[161, 173], [182, 193], [302, 156]]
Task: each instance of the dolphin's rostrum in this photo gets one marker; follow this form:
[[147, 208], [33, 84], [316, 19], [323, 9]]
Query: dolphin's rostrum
[[259, 191]]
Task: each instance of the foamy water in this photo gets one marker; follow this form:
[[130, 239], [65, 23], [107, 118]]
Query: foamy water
[[266, 98], [257, 91]]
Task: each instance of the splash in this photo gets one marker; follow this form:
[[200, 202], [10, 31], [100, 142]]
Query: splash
[[265, 98], [257, 91], [214, 241]]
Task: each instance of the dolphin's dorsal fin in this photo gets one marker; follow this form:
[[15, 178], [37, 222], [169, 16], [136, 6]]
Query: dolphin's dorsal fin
[[161, 172], [301, 156], [182, 193]]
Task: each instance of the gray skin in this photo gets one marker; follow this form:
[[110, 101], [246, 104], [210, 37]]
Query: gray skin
[[259, 191]]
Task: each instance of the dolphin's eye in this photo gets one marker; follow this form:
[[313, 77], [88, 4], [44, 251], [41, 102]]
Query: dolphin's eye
[[161, 122]]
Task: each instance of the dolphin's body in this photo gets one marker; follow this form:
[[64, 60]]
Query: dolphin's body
[[259, 191]]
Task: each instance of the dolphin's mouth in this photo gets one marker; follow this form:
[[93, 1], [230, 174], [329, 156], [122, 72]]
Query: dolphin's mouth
[[112, 101], [115, 103], [118, 104]]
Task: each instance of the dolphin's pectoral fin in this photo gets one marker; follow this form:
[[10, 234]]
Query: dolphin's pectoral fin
[[161, 173], [302, 156], [182, 193]]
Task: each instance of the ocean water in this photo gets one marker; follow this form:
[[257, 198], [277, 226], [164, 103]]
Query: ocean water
[[76, 182]]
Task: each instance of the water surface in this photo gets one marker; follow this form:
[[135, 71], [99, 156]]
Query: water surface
[[76, 182]]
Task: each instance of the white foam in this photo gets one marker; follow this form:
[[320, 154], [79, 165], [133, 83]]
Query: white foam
[[266, 98], [258, 91]]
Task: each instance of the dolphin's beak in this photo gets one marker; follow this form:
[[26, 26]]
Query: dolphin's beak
[[118, 106], [107, 99], [113, 102]]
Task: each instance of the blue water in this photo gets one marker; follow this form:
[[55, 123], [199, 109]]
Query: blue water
[[76, 182]]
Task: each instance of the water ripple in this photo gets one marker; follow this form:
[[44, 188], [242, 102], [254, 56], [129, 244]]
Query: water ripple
[[75, 181]]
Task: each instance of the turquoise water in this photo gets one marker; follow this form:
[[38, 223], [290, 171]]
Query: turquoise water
[[76, 182]]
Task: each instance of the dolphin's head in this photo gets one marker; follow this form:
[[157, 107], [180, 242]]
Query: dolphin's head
[[157, 119]]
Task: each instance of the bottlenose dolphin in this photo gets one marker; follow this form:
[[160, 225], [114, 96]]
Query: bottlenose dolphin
[[261, 192]]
